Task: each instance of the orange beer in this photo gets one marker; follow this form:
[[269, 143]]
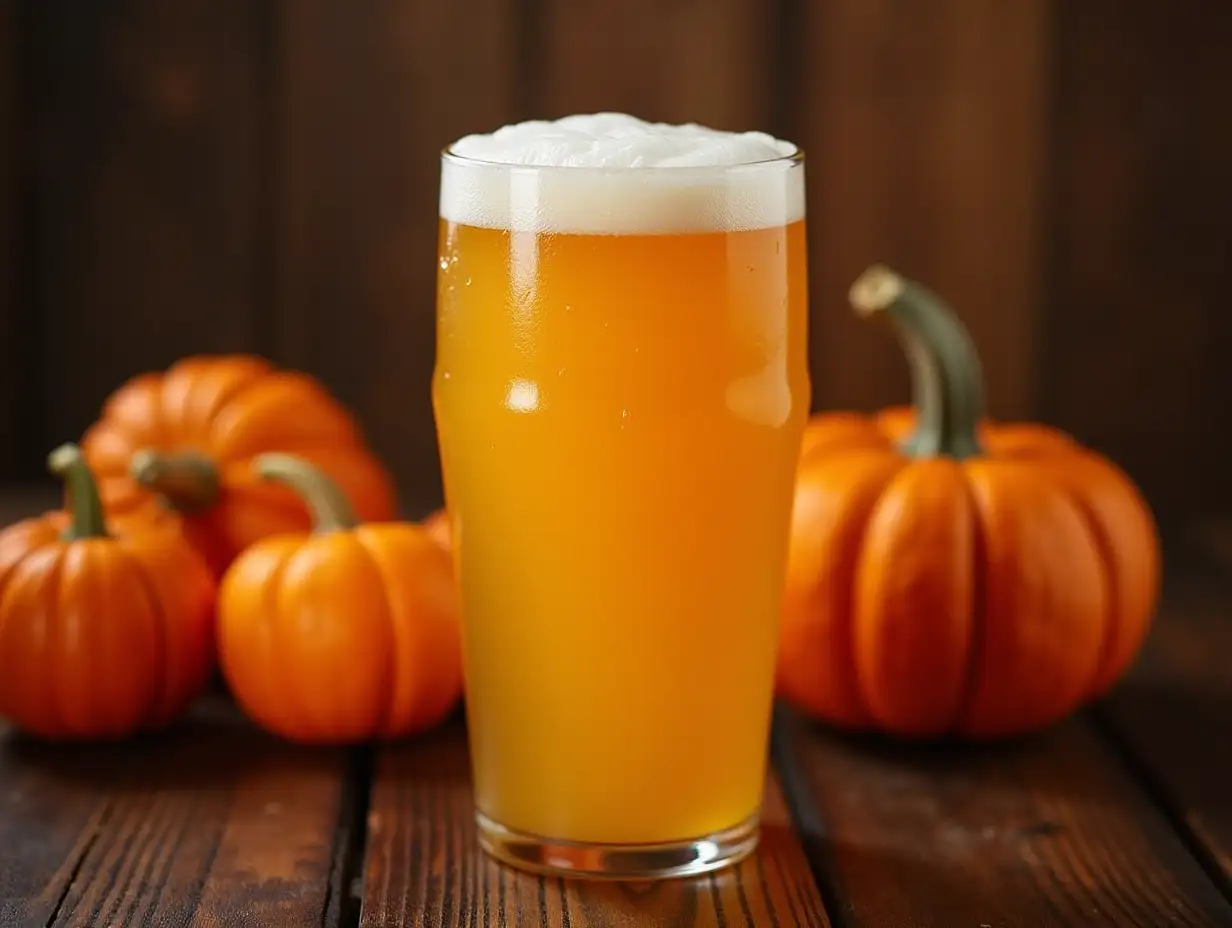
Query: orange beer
[[620, 393]]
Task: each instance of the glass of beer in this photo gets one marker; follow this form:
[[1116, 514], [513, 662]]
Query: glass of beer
[[620, 392]]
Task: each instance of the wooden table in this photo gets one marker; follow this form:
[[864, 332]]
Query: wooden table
[[1120, 816]]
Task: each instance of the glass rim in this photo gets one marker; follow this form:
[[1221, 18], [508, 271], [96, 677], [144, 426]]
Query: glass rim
[[791, 159]]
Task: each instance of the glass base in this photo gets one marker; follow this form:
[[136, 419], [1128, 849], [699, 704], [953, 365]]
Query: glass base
[[617, 861]]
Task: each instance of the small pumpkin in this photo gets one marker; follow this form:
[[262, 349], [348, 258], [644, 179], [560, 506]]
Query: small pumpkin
[[345, 634], [105, 630], [185, 438], [950, 574]]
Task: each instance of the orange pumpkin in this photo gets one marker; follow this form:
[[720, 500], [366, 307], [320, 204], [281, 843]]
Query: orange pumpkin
[[102, 633], [347, 633], [186, 438], [949, 574]]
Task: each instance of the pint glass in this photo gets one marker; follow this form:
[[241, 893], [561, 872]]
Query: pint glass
[[620, 392]]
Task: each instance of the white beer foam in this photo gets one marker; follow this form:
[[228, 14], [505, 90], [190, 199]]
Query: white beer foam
[[609, 173]]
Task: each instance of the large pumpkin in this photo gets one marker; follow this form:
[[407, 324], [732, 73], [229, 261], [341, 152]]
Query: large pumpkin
[[949, 574], [186, 438]]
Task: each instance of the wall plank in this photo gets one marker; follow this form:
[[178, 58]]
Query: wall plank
[[368, 98], [685, 61], [9, 348], [1139, 328], [145, 191], [925, 129]]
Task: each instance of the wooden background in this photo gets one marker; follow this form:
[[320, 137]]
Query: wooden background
[[254, 175]]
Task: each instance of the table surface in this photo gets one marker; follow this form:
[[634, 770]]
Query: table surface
[[1119, 816]]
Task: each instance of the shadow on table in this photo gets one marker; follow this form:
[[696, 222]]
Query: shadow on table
[[1068, 763], [213, 743]]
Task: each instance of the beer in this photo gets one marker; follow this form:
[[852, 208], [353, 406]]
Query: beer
[[620, 392]]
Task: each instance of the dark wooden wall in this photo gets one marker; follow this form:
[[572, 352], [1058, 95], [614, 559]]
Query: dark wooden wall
[[260, 175]]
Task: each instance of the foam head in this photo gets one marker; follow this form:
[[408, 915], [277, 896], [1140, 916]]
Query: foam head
[[609, 173]]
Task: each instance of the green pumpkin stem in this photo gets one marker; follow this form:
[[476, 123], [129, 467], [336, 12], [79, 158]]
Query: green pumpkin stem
[[331, 510], [186, 480], [81, 490], [946, 378]]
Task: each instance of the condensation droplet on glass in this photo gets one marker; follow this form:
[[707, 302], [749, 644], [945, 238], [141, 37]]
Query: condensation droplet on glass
[[568, 307], [444, 264], [561, 372], [468, 281]]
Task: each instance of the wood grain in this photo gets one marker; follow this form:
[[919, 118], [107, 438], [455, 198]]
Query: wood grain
[[1138, 333], [424, 867], [368, 98], [1167, 713], [47, 825], [707, 61], [1050, 831], [925, 128], [10, 349], [144, 190], [192, 828]]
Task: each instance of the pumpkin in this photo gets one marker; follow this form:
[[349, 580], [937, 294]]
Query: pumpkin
[[953, 575], [105, 629], [343, 634], [185, 438]]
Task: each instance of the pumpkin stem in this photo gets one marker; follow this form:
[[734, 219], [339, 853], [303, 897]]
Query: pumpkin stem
[[187, 480], [331, 510], [83, 503], [946, 378]]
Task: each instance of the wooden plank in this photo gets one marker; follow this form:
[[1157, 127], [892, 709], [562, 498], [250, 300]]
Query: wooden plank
[[706, 61], [1140, 236], [1047, 831], [192, 828], [424, 867], [1212, 536], [1172, 714], [925, 127], [48, 823], [368, 95], [145, 192], [9, 211]]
